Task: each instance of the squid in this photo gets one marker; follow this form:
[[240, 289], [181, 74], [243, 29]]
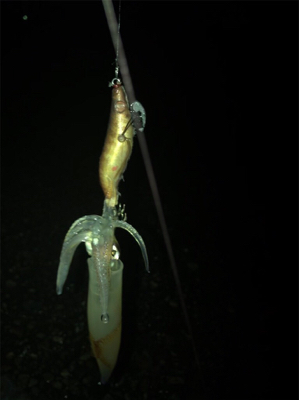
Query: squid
[[98, 234]]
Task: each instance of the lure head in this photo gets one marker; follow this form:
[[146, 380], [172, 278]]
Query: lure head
[[120, 103]]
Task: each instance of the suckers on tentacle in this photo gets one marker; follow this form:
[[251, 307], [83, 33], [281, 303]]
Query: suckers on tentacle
[[118, 145]]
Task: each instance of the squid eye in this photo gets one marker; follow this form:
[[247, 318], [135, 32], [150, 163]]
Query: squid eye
[[115, 253]]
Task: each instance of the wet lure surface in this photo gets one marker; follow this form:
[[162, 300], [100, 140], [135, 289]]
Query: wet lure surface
[[118, 145]]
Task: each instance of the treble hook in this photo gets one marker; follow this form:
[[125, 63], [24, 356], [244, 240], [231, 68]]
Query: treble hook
[[138, 114]]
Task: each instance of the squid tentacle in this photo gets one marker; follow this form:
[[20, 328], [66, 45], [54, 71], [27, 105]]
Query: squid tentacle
[[129, 228], [85, 222], [98, 234], [80, 231], [67, 253]]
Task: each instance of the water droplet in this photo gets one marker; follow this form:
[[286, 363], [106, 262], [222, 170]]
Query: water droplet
[[105, 318]]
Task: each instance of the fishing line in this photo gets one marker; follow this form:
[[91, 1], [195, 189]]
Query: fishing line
[[117, 42], [114, 28], [116, 46]]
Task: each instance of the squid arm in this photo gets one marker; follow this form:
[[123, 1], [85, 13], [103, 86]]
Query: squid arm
[[98, 234], [129, 228], [79, 232]]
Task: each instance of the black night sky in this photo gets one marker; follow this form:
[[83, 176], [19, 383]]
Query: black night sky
[[214, 78]]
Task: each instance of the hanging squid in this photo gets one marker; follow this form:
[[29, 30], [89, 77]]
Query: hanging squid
[[97, 232]]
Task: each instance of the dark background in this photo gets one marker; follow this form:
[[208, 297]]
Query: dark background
[[214, 79]]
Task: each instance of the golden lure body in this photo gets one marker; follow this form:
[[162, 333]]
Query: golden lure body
[[118, 145]]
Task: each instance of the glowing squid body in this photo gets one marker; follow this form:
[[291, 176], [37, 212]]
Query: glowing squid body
[[105, 280]]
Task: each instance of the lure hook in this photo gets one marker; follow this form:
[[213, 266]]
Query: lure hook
[[115, 82], [138, 115]]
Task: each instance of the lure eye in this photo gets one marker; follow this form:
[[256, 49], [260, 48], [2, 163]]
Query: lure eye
[[120, 106], [121, 138]]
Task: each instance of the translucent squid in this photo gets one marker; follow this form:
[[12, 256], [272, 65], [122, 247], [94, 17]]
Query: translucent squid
[[97, 232]]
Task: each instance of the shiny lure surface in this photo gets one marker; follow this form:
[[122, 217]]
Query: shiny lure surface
[[118, 144], [119, 141]]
